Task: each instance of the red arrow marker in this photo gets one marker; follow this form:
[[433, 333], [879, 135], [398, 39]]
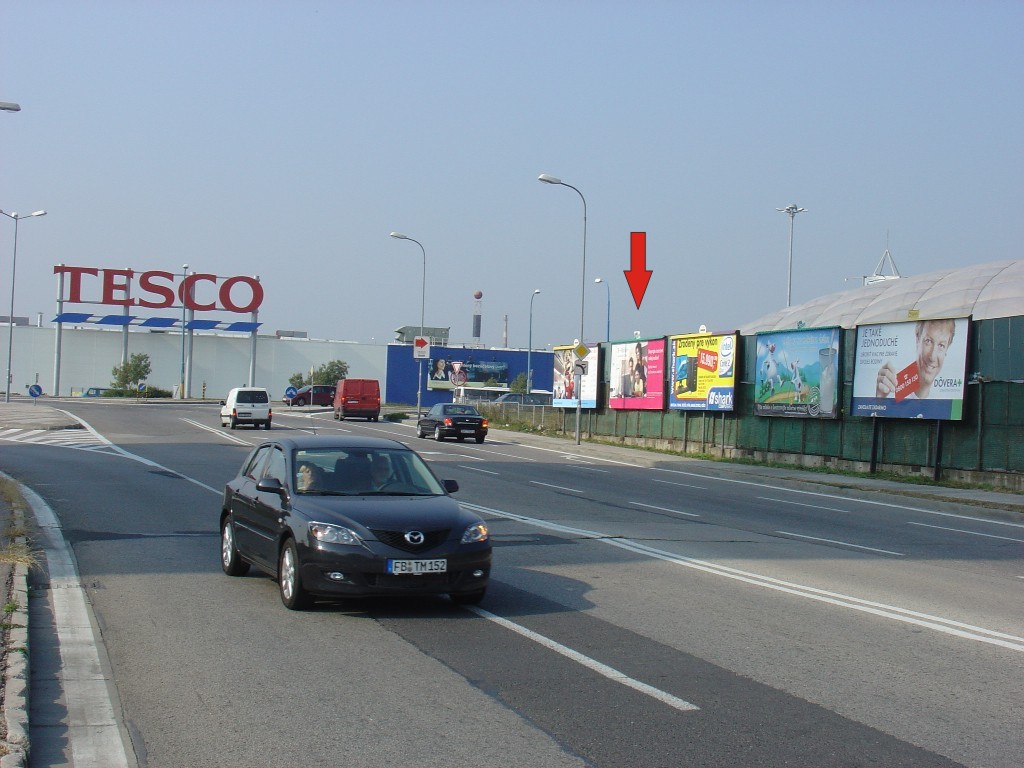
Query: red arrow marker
[[420, 342], [638, 275]]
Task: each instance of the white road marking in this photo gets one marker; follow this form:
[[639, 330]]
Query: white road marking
[[971, 533], [896, 613], [477, 469], [800, 504], [683, 485], [842, 543], [663, 509], [602, 669], [219, 432], [558, 487]]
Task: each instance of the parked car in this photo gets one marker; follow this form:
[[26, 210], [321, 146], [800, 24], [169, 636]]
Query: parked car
[[338, 517], [357, 397], [452, 420], [246, 405], [318, 394], [521, 398]]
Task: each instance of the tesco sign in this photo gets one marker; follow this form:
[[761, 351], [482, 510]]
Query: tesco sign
[[158, 290]]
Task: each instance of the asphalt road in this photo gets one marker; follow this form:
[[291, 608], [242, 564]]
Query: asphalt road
[[643, 611]]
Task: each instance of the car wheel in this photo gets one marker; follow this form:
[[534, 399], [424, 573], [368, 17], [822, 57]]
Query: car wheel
[[294, 597], [234, 422], [300, 402], [480, 439], [438, 435], [337, 416], [266, 425], [232, 564], [469, 598], [420, 433]]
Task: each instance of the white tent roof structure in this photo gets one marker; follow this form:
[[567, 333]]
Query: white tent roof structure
[[982, 291]]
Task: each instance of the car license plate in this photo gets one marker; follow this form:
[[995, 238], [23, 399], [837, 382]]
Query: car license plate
[[468, 431], [399, 567], [245, 414]]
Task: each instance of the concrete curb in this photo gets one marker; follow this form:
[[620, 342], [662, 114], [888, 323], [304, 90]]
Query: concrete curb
[[16, 676]]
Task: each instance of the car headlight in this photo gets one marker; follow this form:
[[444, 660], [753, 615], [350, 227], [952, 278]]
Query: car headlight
[[333, 534], [475, 534]]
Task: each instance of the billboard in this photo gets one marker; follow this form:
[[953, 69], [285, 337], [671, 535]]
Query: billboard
[[911, 370], [797, 373], [448, 374], [703, 372], [637, 375], [565, 387]]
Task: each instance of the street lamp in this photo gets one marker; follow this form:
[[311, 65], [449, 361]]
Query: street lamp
[[583, 287], [608, 315], [10, 318], [423, 307], [529, 347], [792, 210], [184, 276]]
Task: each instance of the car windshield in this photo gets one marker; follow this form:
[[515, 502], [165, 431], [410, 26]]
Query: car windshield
[[252, 396], [461, 410], [363, 472]]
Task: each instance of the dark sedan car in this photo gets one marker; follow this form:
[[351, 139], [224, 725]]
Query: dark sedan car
[[318, 394], [337, 517], [452, 420]]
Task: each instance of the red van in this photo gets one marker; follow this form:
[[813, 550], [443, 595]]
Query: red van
[[357, 397]]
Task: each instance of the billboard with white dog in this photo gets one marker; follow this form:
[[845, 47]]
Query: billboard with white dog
[[798, 373]]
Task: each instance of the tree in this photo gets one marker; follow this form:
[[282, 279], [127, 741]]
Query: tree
[[518, 383], [328, 373], [132, 373]]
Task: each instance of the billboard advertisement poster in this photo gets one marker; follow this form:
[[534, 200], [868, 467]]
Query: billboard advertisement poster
[[911, 370], [637, 375], [798, 373], [564, 384], [448, 374], [703, 372]]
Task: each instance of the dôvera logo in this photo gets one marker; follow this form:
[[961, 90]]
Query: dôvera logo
[[156, 289]]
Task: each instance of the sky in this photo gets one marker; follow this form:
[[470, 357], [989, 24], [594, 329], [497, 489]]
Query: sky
[[288, 139]]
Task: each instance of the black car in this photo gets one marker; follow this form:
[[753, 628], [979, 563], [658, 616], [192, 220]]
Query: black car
[[452, 420], [337, 517], [318, 394]]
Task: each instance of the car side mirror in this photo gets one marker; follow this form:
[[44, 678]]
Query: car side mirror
[[271, 485], [223, 402], [451, 486]]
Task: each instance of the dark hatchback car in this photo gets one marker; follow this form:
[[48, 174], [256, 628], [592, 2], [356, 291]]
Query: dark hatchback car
[[452, 420], [318, 394], [338, 517]]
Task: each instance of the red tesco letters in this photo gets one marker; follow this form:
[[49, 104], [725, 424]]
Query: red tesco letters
[[160, 289]]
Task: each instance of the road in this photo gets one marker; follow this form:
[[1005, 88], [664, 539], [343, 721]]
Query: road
[[653, 612]]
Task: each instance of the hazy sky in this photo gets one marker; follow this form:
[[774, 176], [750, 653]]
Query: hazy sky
[[287, 139]]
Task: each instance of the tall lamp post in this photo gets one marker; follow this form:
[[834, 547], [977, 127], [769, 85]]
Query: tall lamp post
[[583, 287], [608, 314], [184, 276], [10, 318], [792, 210], [423, 307], [529, 347]]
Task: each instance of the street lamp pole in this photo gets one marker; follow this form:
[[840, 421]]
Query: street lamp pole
[[608, 315], [792, 210], [529, 347], [423, 308], [184, 276], [547, 179], [10, 318]]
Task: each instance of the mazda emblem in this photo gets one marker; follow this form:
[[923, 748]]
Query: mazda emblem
[[415, 538]]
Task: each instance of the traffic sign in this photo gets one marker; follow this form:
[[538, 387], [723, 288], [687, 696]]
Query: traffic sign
[[35, 390], [421, 348], [581, 350], [291, 392]]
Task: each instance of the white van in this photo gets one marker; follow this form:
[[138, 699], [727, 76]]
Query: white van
[[246, 405]]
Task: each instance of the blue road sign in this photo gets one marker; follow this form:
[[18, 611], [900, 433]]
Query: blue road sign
[[35, 390], [291, 392]]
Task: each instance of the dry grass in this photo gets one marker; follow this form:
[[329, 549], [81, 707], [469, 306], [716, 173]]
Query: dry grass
[[14, 546]]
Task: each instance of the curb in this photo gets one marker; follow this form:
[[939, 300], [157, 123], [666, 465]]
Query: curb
[[16, 676]]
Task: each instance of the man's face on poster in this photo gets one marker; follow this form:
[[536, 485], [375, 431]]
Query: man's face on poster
[[932, 344]]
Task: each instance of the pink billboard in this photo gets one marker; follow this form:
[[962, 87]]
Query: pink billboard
[[637, 375]]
